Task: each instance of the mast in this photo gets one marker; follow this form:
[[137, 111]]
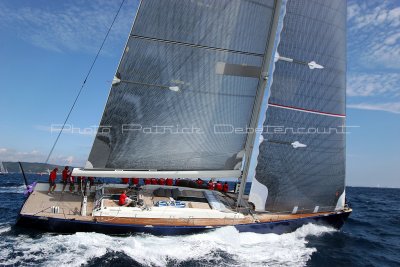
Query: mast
[[263, 81]]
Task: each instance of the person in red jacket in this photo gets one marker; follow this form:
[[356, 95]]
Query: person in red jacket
[[161, 181], [52, 181], [124, 200], [135, 181], [177, 182], [154, 181], [226, 187], [200, 182], [125, 180], [169, 181], [210, 185], [65, 176], [218, 186], [147, 181]]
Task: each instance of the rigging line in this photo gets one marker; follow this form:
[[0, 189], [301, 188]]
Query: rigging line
[[84, 82]]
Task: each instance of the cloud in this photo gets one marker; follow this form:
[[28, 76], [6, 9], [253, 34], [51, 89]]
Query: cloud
[[361, 84], [68, 26], [7, 154], [374, 55], [388, 107], [374, 33]]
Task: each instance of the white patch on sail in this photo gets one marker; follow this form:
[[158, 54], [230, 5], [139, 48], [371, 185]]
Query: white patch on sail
[[341, 201], [259, 195], [88, 165], [226, 246]]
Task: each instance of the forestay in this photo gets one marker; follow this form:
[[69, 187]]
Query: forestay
[[185, 87], [301, 162]]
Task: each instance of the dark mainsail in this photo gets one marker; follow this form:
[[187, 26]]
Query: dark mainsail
[[186, 81], [301, 161]]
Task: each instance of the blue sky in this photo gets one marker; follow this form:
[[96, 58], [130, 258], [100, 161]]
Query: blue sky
[[47, 47]]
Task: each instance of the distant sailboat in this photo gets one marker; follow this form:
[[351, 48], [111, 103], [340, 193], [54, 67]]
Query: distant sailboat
[[188, 94], [3, 170]]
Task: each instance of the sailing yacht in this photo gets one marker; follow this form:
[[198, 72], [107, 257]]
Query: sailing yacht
[[3, 170], [248, 90]]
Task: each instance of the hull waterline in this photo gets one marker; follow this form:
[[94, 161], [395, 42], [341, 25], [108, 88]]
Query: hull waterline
[[49, 224]]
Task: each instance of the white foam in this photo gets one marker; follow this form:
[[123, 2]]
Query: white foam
[[242, 248], [4, 229]]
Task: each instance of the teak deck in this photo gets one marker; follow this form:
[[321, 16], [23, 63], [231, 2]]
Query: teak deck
[[39, 204]]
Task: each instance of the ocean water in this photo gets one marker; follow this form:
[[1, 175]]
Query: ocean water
[[371, 237]]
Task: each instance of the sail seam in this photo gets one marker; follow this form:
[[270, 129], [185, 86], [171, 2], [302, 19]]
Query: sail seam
[[308, 110], [197, 46]]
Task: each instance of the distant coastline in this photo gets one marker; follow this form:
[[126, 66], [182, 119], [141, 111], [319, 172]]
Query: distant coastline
[[30, 167]]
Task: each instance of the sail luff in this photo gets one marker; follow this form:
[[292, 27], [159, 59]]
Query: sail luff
[[263, 81]]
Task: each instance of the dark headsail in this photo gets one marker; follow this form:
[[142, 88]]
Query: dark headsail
[[186, 81], [301, 162]]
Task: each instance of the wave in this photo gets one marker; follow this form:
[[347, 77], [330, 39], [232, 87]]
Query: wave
[[12, 189], [224, 246], [4, 229]]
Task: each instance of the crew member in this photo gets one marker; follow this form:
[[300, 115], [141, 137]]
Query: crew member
[[65, 175], [125, 180], [147, 181], [210, 185], [154, 181], [124, 200], [161, 181], [135, 181], [169, 181], [52, 181], [218, 186], [200, 182], [226, 187]]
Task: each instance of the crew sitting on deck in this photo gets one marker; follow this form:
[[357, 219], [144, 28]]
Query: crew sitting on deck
[[124, 200], [169, 181], [226, 187], [147, 181], [135, 181], [154, 181], [52, 181], [125, 180], [210, 185], [161, 181], [218, 186], [65, 175], [199, 182]]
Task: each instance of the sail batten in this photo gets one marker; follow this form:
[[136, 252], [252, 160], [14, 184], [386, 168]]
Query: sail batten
[[196, 45]]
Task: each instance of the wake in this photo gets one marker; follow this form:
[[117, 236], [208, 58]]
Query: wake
[[225, 246]]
